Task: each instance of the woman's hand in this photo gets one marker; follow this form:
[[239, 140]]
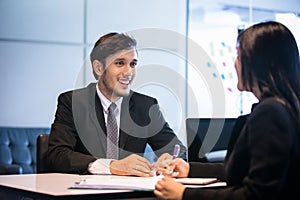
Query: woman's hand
[[167, 188]]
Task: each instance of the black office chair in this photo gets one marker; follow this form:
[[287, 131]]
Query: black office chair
[[41, 153]]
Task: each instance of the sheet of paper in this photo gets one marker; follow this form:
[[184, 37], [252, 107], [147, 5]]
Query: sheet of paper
[[116, 182], [216, 184], [196, 181]]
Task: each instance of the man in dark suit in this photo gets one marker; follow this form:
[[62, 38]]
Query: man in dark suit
[[78, 140]]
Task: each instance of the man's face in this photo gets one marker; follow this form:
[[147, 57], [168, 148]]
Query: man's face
[[118, 74]]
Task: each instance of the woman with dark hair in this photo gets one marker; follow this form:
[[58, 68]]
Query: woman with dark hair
[[263, 161]]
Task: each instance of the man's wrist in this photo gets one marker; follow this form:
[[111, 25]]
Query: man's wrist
[[100, 166]]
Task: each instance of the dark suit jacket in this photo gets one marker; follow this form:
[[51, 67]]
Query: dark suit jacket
[[78, 134], [263, 159]]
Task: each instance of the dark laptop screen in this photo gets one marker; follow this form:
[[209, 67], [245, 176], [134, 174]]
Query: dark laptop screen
[[206, 135]]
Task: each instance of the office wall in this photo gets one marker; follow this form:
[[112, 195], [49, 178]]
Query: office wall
[[44, 48], [213, 29], [40, 54]]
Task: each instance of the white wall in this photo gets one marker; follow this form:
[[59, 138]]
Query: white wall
[[44, 48], [40, 54]]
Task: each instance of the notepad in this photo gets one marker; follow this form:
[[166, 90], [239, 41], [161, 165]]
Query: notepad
[[196, 181]]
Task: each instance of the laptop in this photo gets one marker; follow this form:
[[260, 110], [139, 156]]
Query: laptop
[[208, 138]]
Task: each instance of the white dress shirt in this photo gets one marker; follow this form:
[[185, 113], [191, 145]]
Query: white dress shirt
[[101, 165]]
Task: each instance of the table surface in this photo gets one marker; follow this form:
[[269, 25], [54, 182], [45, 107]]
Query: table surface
[[57, 186], [53, 185]]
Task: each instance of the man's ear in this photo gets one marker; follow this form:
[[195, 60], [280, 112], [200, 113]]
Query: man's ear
[[98, 67]]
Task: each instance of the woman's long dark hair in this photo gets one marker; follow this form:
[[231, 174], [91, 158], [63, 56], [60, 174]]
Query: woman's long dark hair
[[269, 57]]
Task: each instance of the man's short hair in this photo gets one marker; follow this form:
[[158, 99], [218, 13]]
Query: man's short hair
[[110, 44]]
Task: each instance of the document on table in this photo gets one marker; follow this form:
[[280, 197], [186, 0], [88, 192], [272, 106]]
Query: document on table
[[110, 182], [196, 181]]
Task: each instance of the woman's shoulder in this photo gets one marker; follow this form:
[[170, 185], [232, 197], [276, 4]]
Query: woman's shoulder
[[273, 105], [272, 109]]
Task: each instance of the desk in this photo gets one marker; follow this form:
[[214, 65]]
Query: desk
[[56, 186]]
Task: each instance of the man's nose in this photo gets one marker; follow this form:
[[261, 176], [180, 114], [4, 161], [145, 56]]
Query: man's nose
[[128, 71]]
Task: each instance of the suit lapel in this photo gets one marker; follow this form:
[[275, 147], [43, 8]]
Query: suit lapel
[[126, 106], [99, 113], [86, 122]]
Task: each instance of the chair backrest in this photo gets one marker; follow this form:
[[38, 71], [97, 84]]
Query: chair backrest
[[41, 153]]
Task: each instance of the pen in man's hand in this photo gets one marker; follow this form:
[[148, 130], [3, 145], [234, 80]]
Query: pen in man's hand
[[175, 155], [176, 151]]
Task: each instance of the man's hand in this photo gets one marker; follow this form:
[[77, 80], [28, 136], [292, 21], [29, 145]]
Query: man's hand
[[131, 165], [176, 168], [163, 161]]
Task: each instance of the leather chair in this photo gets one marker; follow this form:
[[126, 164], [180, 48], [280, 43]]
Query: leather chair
[[41, 153], [18, 149]]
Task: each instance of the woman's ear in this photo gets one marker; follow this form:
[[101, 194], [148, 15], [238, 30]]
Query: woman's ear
[[97, 67]]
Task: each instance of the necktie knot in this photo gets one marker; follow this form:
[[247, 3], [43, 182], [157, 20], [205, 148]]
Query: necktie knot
[[112, 108]]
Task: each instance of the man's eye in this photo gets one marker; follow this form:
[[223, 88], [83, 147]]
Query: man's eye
[[119, 63], [133, 64]]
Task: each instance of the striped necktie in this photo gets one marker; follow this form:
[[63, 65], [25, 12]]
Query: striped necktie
[[112, 133]]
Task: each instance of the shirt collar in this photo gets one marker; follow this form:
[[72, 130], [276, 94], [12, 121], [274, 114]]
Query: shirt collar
[[106, 102]]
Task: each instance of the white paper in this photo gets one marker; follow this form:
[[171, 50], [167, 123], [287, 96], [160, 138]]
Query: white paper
[[196, 181], [116, 182]]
